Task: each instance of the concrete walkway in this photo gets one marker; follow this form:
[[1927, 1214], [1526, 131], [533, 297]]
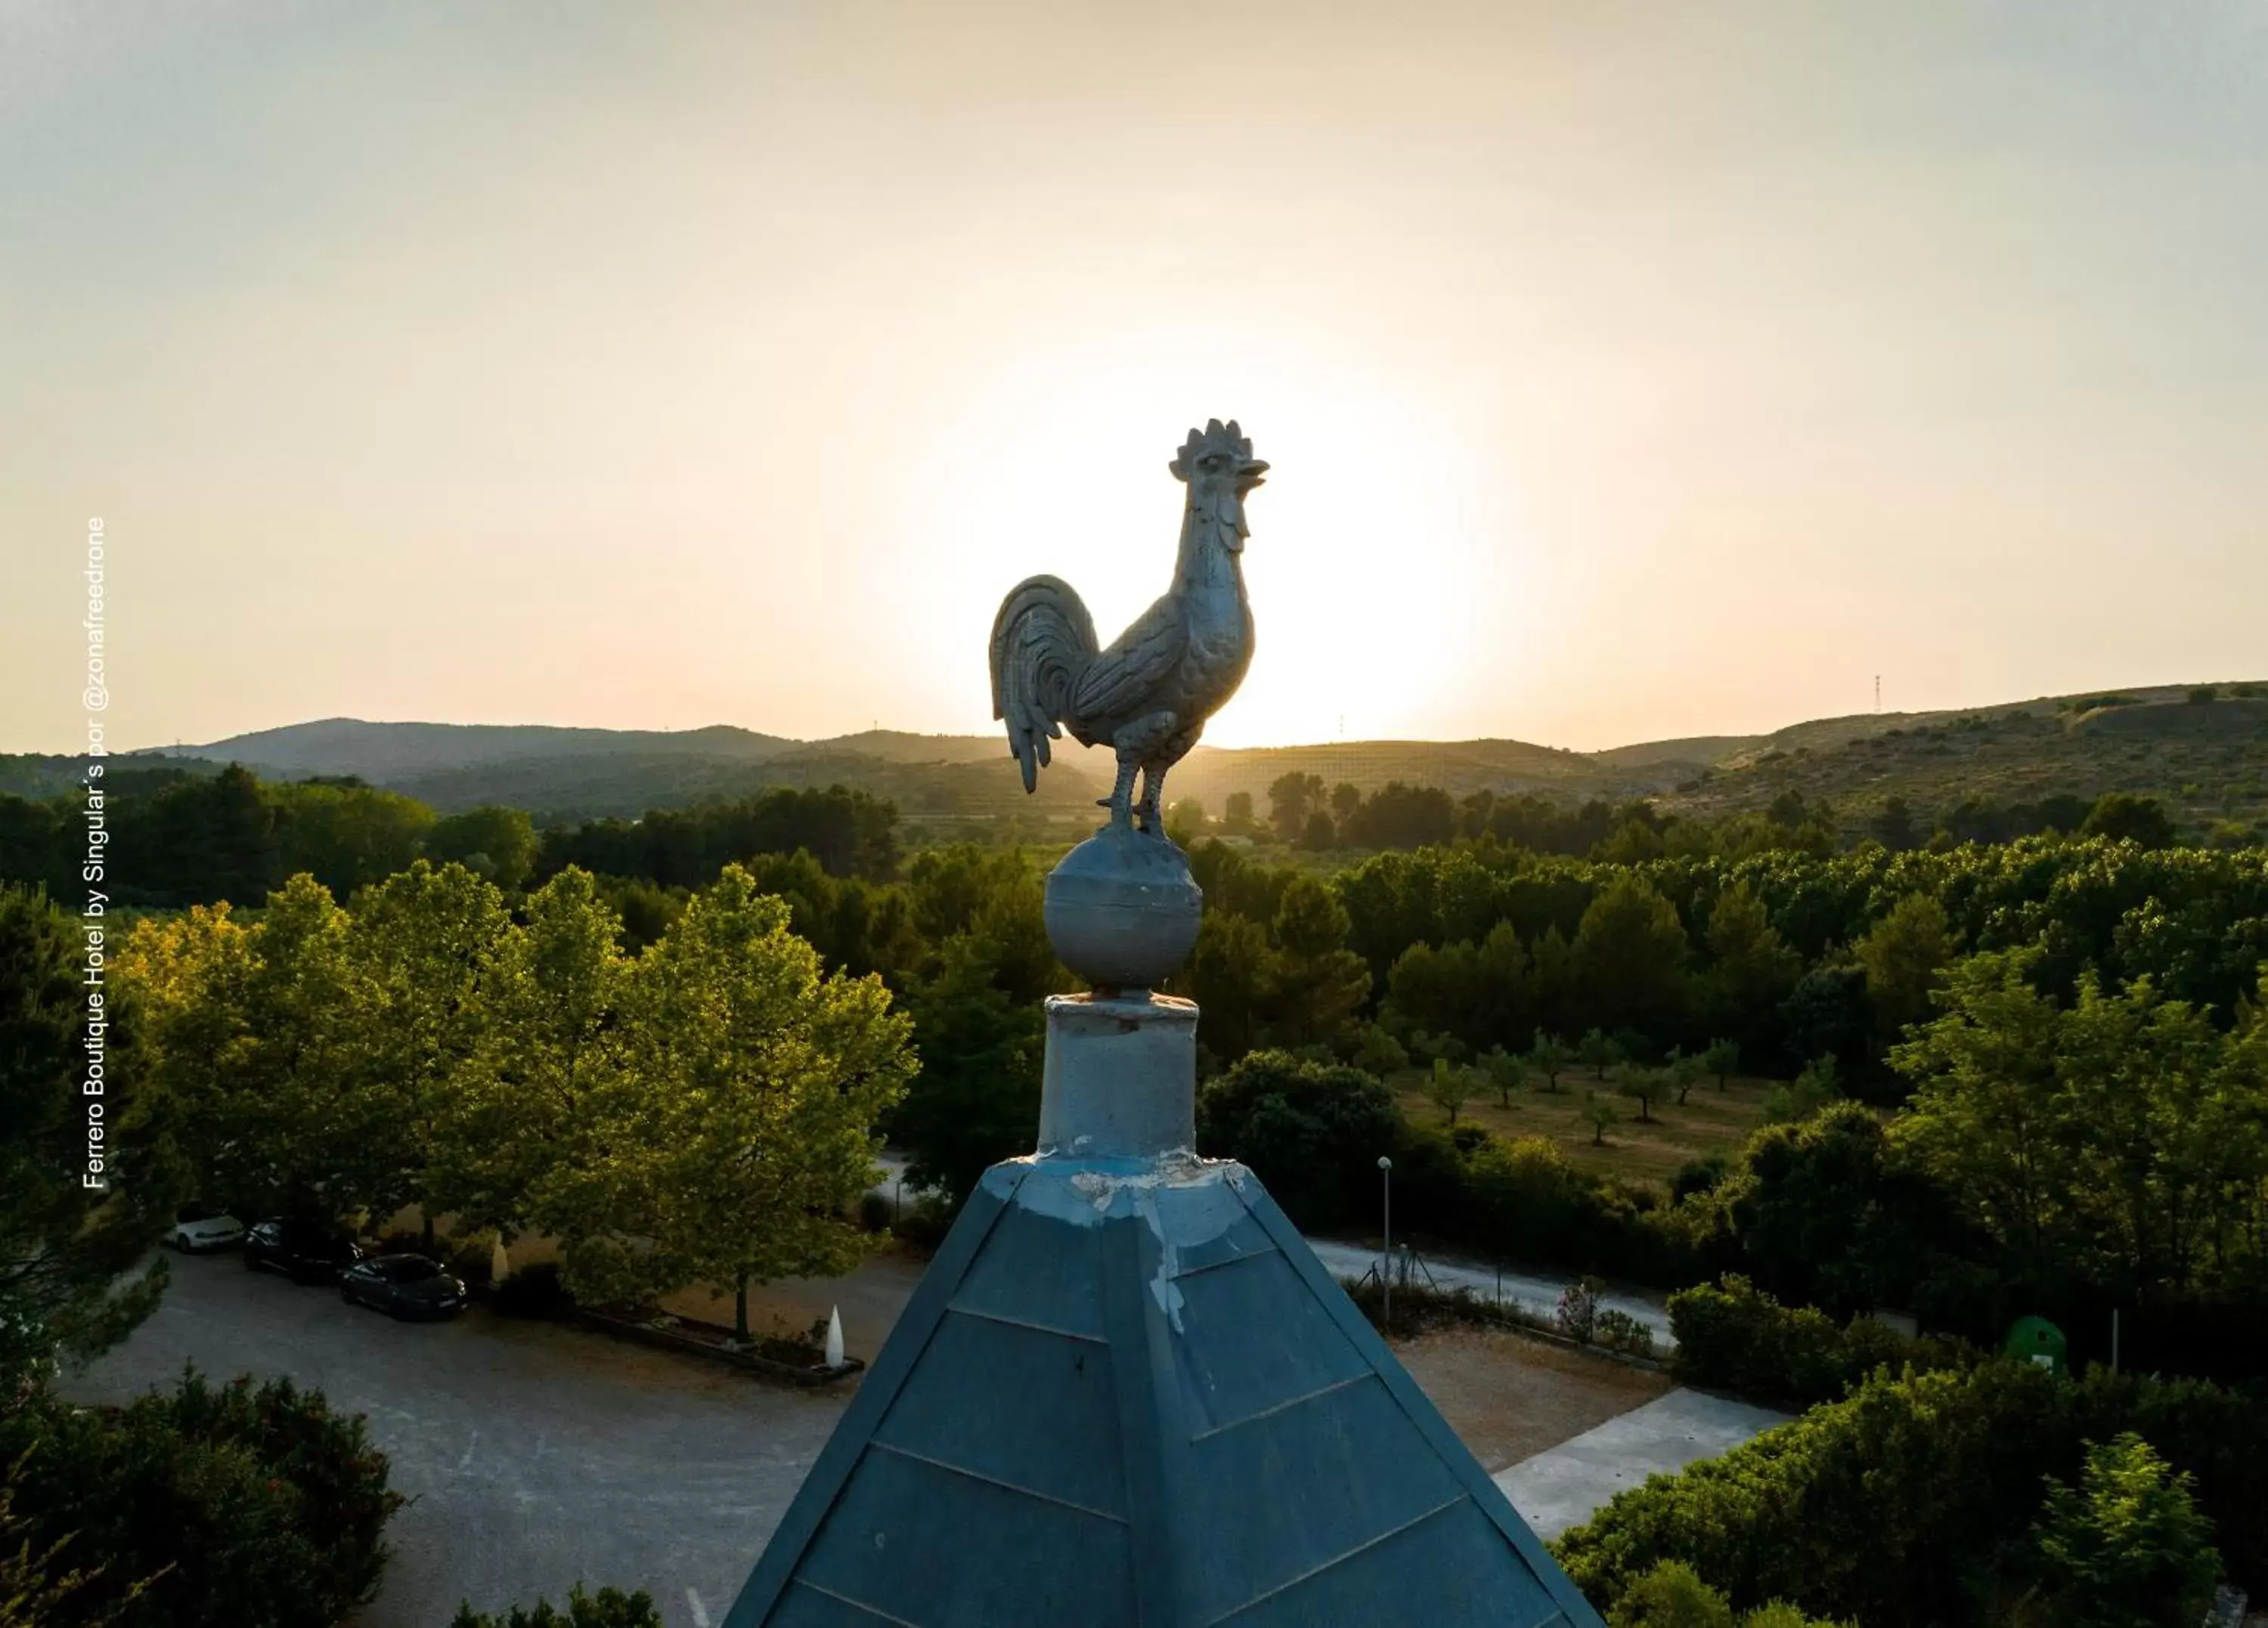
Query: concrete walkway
[[1564, 1487]]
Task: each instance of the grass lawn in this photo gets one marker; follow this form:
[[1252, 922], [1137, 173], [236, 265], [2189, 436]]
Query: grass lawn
[[1711, 1121]]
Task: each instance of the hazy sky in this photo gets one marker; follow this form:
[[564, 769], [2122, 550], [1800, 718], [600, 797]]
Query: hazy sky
[[1629, 369]]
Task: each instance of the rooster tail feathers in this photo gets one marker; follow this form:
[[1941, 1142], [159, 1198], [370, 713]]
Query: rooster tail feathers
[[1042, 641]]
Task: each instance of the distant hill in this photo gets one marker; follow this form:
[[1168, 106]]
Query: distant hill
[[41, 775], [1698, 749], [898, 746], [1459, 767], [2208, 760], [384, 753]]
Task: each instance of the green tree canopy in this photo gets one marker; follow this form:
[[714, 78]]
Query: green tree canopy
[[1313, 984], [496, 843], [2122, 816], [1630, 955], [2127, 1547], [762, 1078], [1291, 797], [2093, 1140], [69, 1252], [1750, 969], [1903, 954], [1314, 1132]]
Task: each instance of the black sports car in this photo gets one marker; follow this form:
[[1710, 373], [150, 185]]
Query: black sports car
[[406, 1286], [303, 1252]]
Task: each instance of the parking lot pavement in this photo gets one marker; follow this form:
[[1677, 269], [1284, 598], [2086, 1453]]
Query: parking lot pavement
[[533, 1454]]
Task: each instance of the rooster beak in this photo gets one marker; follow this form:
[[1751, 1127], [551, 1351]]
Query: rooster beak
[[1250, 473]]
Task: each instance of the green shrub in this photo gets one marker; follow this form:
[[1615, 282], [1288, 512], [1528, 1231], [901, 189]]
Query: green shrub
[[874, 1213], [1671, 1596], [533, 1291], [473, 1257], [1618, 1331], [1734, 1337], [2127, 1547], [1524, 1201], [223, 1506], [1419, 1306], [609, 1608], [926, 1222], [1906, 1504], [37, 1579], [1313, 1131]]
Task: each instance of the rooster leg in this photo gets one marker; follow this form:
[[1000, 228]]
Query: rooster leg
[[1153, 783], [1153, 780], [1121, 800], [1138, 742]]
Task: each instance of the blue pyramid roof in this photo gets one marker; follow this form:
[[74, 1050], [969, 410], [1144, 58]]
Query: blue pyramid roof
[[1128, 1395]]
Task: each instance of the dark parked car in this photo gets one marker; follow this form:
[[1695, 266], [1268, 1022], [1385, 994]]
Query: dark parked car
[[302, 1252], [406, 1286]]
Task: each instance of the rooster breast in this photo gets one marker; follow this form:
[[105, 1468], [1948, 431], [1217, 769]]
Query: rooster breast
[[1131, 678], [1185, 655], [1217, 650]]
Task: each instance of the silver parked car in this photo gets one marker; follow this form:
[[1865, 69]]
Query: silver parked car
[[200, 1228]]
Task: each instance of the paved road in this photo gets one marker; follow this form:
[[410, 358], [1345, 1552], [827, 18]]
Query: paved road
[[1538, 1292], [535, 1454]]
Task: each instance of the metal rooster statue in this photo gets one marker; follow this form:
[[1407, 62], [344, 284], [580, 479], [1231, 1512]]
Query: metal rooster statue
[[1148, 695], [1126, 1394]]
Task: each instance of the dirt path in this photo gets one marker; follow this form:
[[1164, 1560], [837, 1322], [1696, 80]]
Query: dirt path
[[1509, 1397]]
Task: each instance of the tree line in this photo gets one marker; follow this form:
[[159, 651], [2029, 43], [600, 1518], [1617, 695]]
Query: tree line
[[186, 839], [1503, 967], [2056, 1046], [1301, 814], [211, 1505], [698, 1113]]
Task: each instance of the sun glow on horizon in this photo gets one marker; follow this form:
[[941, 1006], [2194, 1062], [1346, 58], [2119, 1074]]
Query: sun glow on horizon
[[1626, 374], [1357, 537]]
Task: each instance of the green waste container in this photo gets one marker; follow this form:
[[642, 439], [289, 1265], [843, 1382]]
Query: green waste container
[[2035, 1339]]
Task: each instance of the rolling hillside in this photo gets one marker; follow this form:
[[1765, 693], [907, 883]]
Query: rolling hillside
[[387, 754], [2208, 759]]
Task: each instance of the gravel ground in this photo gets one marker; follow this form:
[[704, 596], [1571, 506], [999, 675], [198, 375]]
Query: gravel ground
[[536, 1454], [1511, 1397]]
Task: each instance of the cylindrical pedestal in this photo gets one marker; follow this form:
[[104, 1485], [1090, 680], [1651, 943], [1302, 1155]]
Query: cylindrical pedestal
[[1120, 1080]]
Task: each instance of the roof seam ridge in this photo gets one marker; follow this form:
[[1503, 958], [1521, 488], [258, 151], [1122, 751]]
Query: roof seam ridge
[[1229, 1260], [1274, 1408], [1023, 1323], [874, 1612], [1364, 1547], [1006, 1487]]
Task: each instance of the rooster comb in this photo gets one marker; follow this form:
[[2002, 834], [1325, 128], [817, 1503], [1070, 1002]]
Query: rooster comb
[[1214, 437]]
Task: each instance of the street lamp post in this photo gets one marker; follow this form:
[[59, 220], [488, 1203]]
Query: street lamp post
[[1385, 1255]]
